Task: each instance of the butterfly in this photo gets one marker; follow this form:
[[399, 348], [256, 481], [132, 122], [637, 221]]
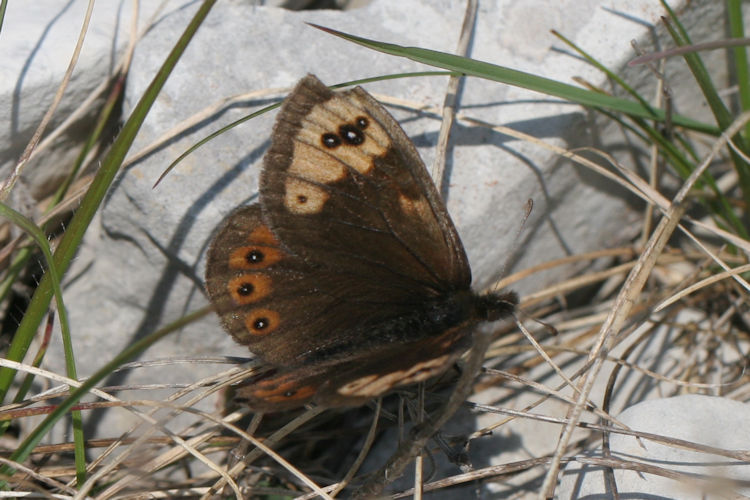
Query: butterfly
[[348, 279]]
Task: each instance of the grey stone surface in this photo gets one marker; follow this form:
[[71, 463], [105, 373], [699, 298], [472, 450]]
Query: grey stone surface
[[37, 44], [704, 420]]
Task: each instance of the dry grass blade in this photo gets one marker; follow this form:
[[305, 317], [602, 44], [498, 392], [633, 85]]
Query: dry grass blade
[[627, 298], [734, 273], [423, 432], [496, 471], [8, 183], [691, 481], [451, 98]]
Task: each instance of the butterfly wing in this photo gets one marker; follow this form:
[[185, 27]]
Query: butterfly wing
[[354, 381], [265, 297], [344, 188], [291, 313]]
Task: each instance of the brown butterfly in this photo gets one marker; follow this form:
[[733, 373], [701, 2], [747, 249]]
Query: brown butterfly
[[348, 278]]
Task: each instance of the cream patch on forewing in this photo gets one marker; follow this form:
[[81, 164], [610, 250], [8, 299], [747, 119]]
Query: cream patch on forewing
[[375, 385], [329, 117], [356, 157], [311, 163], [421, 209], [303, 198]]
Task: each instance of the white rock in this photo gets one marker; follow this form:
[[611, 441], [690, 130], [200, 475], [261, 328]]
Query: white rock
[[703, 420]]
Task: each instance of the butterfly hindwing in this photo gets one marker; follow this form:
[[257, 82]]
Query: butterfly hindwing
[[356, 380], [268, 299], [247, 272], [289, 312]]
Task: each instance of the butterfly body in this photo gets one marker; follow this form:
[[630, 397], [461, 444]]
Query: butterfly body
[[348, 278]]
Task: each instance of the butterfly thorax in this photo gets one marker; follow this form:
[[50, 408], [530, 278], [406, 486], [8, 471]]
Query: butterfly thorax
[[456, 309]]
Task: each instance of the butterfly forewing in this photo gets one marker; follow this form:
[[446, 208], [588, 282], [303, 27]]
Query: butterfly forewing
[[343, 187]]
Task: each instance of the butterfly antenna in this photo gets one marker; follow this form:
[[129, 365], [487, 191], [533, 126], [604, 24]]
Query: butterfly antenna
[[517, 310], [516, 239]]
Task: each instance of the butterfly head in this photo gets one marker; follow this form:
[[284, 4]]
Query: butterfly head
[[494, 306]]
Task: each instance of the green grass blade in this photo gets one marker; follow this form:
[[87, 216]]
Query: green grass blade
[[104, 115], [700, 73], [54, 277], [722, 115], [610, 74], [737, 30], [3, 8], [525, 80]]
